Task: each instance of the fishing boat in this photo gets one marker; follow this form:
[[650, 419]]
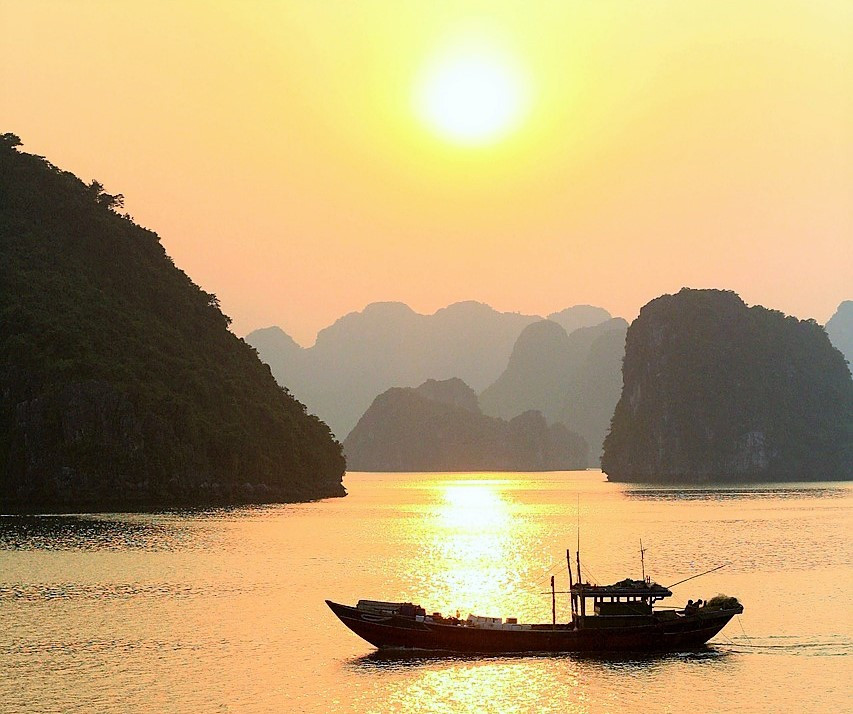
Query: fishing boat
[[604, 618]]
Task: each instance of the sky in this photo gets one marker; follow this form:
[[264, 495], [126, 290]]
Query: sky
[[303, 159]]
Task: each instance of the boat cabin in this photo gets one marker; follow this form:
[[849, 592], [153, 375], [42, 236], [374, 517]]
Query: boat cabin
[[626, 601]]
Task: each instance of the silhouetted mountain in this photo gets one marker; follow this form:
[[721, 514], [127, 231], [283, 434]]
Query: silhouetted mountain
[[574, 318], [840, 330], [595, 384], [388, 344], [120, 384], [405, 430], [450, 391], [537, 374], [276, 341], [574, 379], [714, 390]]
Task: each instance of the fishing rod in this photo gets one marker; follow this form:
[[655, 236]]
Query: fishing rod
[[567, 592], [699, 575]]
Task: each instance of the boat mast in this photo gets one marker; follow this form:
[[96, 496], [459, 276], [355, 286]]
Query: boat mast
[[580, 579], [580, 584], [553, 603], [569, 564], [642, 559], [578, 555]]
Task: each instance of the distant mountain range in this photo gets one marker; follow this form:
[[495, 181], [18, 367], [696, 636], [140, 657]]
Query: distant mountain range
[[390, 345], [572, 378], [439, 427], [840, 330]]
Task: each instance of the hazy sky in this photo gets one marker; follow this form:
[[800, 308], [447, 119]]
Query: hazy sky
[[292, 159]]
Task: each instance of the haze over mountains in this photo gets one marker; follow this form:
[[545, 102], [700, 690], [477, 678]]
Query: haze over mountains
[[839, 327], [568, 367], [390, 345], [438, 426], [574, 379]]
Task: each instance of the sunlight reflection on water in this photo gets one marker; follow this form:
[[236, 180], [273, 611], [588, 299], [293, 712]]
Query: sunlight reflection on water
[[534, 683], [223, 610]]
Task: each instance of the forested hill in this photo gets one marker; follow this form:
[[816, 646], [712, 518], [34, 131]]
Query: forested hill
[[718, 391], [121, 386]]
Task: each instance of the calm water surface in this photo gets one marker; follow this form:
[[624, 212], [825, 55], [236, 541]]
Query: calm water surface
[[222, 611]]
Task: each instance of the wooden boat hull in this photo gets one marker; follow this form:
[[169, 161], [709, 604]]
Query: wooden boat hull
[[399, 632]]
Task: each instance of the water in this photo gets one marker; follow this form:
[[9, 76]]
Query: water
[[222, 611]]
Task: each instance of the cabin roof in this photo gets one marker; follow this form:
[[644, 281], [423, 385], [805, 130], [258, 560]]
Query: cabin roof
[[624, 588]]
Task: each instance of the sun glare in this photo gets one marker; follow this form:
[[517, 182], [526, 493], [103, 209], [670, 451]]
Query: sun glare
[[471, 97]]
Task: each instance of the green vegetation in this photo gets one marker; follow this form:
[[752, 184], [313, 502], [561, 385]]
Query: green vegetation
[[120, 384], [716, 391]]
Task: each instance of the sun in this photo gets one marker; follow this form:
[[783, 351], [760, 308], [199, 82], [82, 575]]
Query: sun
[[471, 97]]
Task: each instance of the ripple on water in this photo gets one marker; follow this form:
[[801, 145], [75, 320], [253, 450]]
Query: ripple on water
[[83, 532], [729, 493], [36, 592], [223, 609]]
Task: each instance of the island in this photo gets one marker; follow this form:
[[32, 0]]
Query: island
[[121, 386], [715, 391], [439, 426]]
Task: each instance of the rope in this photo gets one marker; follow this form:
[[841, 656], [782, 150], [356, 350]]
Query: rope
[[535, 584], [749, 643], [729, 640], [740, 622], [589, 575]]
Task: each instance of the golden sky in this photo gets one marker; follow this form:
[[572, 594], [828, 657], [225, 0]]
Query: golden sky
[[282, 150]]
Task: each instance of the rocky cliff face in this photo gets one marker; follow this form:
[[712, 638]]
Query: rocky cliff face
[[407, 430], [717, 391], [120, 384]]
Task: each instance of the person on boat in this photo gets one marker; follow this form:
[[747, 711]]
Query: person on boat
[[691, 607]]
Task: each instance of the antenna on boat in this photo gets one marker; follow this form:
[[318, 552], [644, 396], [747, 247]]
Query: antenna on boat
[[578, 551], [642, 559]]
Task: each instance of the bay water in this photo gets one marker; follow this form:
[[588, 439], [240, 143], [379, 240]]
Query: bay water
[[223, 610]]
